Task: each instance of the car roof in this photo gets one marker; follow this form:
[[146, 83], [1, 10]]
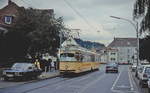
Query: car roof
[[22, 63], [146, 65], [28, 64], [111, 64]]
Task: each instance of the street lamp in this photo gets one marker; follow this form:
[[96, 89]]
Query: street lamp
[[135, 25]]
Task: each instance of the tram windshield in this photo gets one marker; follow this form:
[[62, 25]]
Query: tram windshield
[[67, 57]]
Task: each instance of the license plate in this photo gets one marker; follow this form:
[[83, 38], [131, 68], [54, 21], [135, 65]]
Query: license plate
[[9, 75]]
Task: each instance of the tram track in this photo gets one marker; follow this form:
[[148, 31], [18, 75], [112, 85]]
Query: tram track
[[50, 84], [60, 82]]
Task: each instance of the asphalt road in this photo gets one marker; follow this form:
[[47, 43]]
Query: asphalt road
[[95, 82]]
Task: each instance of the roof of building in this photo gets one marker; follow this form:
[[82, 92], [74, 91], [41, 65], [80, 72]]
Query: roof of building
[[69, 42], [13, 4], [123, 42]]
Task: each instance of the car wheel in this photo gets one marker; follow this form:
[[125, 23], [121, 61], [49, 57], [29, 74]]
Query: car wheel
[[117, 71], [148, 90], [35, 77]]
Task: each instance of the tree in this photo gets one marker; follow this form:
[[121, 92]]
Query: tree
[[144, 48], [35, 31], [142, 10]]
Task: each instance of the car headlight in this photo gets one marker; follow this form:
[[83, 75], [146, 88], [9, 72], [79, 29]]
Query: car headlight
[[4, 73]]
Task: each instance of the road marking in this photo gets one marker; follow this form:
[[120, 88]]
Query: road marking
[[91, 83], [76, 80], [114, 84], [132, 88], [133, 81]]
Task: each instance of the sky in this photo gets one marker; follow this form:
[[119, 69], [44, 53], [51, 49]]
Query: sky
[[92, 17]]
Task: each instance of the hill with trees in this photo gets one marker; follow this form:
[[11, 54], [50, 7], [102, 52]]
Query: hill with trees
[[89, 44]]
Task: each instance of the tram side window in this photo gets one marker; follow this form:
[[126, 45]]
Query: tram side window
[[70, 55], [92, 58], [67, 55]]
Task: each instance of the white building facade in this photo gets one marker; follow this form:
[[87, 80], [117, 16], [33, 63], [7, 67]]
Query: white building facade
[[126, 49], [109, 55]]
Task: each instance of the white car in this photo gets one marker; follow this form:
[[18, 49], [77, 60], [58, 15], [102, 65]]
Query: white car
[[144, 74], [138, 70], [148, 83], [133, 67]]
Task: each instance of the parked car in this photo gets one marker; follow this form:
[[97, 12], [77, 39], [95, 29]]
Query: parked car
[[144, 75], [148, 83], [138, 70], [111, 67], [133, 67], [22, 71]]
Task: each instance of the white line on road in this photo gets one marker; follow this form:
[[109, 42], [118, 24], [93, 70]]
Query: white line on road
[[114, 84], [132, 88], [133, 82], [91, 83]]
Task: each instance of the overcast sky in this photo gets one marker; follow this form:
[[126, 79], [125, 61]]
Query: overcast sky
[[91, 16]]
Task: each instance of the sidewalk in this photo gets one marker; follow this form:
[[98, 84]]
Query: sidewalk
[[141, 90], [43, 76], [46, 75]]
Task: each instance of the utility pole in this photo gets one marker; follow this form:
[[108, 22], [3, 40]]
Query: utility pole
[[135, 25]]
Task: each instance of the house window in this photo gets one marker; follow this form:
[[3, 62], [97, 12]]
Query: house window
[[113, 53], [8, 19], [112, 59], [128, 50]]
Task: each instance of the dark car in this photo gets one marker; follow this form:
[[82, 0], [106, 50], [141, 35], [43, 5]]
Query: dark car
[[22, 71], [111, 67]]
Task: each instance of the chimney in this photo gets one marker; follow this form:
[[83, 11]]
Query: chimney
[[9, 2]]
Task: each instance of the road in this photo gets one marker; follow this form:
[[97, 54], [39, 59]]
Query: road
[[95, 82]]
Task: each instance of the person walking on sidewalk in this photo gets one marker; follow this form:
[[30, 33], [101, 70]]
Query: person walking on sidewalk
[[49, 64], [37, 63], [55, 65], [52, 65]]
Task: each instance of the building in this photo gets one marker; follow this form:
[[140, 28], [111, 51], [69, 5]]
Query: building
[[109, 55], [11, 13], [126, 49], [8, 15]]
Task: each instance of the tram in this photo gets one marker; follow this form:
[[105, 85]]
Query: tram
[[75, 59]]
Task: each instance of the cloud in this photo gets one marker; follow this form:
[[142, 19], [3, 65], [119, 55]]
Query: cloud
[[95, 12], [2, 3]]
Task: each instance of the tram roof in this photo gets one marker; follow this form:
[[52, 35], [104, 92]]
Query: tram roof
[[71, 45]]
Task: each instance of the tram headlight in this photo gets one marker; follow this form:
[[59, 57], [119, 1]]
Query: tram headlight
[[66, 67], [4, 73]]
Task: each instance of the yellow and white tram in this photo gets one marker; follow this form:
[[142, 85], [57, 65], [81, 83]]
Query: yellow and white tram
[[75, 59]]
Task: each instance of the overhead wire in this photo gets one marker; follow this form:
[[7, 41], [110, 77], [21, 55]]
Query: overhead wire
[[78, 13]]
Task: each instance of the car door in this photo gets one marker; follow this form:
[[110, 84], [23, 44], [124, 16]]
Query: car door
[[30, 71], [140, 72], [36, 71]]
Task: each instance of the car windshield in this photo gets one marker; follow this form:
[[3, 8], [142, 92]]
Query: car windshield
[[111, 64], [147, 70], [20, 66]]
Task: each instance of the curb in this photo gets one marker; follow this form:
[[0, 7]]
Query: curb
[[141, 90], [32, 81]]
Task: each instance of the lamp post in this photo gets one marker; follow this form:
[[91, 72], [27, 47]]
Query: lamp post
[[135, 25]]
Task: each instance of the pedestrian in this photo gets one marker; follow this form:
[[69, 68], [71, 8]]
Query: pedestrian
[[52, 65], [49, 64], [42, 64], [55, 65], [37, 63]]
